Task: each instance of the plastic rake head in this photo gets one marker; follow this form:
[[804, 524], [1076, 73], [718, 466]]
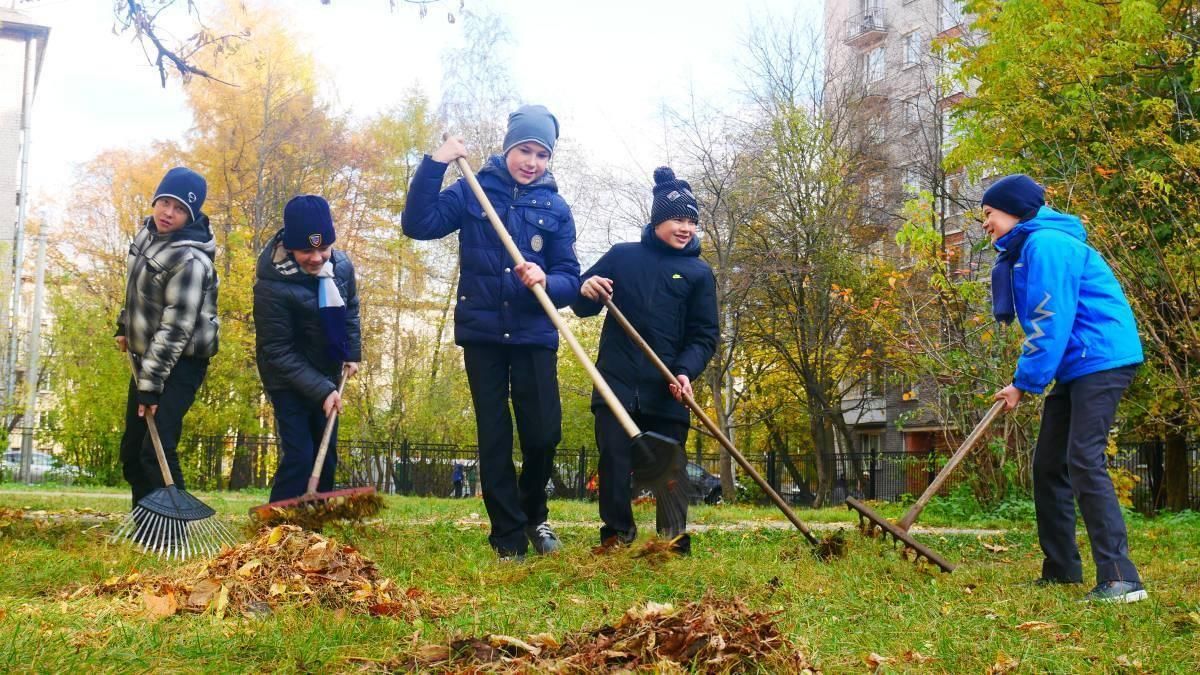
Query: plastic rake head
[[172, 537]]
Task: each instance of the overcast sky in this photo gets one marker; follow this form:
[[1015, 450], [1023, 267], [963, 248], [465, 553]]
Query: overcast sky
[[604, 68]]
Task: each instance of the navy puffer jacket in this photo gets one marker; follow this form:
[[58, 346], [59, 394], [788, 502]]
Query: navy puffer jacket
[[494, 307], [669, 295], [290, 345]]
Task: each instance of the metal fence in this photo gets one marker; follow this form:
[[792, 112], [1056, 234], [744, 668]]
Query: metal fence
[[429, 469]]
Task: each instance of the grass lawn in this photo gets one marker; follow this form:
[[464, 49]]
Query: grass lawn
[[844, 615]]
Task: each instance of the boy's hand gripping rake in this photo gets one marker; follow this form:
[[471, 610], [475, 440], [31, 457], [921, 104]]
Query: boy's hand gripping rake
[[829, 548], [872, 524], [658, 461], [170, 522], [313, 509]]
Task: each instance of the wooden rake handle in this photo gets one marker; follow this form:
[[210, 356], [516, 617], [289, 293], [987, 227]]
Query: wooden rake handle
[[539, 292], [325, 438], [704, 419], [152, 426], [914, 511]]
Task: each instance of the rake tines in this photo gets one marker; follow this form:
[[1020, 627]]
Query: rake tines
[[171, 523]]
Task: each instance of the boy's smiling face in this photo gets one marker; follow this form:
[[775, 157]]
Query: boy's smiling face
[[170, 215], [526, 162], [311, 260], [676, 232], [997, 223]]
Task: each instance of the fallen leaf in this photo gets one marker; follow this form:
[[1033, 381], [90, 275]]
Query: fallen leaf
[[912, 656], [248, 568], [1003, 664], [275, 536], [509, 641], [202, 593], [433, 653], [875, 661], [995, 548], [222, 601], [1034, 625], [544, 640], [159, 606]]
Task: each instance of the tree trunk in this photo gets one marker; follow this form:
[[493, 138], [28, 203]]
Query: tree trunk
[[240, 472], [1176, 470]]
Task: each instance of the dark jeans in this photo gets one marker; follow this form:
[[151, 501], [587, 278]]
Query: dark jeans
[[138, 461], [300, 423], [531, 374], [616, 465], [1069, 465]]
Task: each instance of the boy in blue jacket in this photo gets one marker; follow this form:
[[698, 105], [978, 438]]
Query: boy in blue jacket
[[509, 344], [669, 295], [1080, 334]]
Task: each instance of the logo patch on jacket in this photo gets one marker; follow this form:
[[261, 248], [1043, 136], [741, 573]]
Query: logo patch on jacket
[[315, 240], [676, 276], [536, 243]]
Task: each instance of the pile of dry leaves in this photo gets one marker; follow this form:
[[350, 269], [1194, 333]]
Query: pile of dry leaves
[[707, 636], [284, 565], [315, 514]]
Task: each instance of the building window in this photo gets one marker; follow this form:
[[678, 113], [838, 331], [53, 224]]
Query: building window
[[950, 135], [877, 127], [873, 65], [912, 48], [950, 16], [912, 112], [912, 179]]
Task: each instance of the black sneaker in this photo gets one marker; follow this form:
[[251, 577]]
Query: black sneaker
[[682, 545], [1118, 592], [543, 538]]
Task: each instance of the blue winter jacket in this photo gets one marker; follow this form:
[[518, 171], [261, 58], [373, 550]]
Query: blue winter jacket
[[494, 307], [1074, 314]]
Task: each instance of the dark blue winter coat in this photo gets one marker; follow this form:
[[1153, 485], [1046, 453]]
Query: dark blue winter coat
[[291, 349], [494, 307], [669, 295]]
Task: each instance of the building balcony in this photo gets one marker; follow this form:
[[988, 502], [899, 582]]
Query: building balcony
[[866, 28]]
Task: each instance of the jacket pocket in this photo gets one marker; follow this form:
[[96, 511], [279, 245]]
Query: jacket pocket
[[539, 226]]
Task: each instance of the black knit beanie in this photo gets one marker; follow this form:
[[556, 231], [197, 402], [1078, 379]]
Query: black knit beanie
[[673, 198]]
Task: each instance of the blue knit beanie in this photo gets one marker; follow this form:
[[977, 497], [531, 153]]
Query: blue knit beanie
[[185, 185], [531, 123], [673, 198], [307, 223], [1017, 195]]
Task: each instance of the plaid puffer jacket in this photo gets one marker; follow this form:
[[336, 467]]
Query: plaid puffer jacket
[[170, 300]]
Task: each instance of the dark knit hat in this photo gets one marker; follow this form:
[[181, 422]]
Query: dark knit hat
[[1017, 195], [185, 185], [531, 123], [307, 223], [673, 198]]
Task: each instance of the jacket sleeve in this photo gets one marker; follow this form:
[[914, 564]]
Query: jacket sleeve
[[429, 214], [700, 329], [1048, 313], [562, 267], [183, 297], [353, 324], [582, 306], [276, 337]]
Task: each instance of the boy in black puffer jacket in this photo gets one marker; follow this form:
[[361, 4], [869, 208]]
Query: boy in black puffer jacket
[[306, 331], [169, 323], [669, 295]]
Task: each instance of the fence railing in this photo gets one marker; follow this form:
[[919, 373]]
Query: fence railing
[[429, 469]]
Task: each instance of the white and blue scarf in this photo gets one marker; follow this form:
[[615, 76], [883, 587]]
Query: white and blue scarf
[[332, 312]]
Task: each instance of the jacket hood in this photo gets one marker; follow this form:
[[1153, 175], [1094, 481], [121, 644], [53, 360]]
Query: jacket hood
[[1046, 219], [651, 240], [276, 264], [496, 167], [196, 234]]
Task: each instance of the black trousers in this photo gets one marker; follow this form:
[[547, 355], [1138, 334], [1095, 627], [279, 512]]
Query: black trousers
[[138, 461], [1069, 465], [300, 423], [529, 376], [616, 466]]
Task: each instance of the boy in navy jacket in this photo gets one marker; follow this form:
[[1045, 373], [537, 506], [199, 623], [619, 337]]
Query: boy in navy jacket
[[1080, 334], [669, 295], [509, 344]]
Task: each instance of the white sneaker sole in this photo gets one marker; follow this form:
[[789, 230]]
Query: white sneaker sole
[[1133, 596]]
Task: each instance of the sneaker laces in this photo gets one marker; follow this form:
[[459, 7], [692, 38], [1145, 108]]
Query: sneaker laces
[[544, 532]]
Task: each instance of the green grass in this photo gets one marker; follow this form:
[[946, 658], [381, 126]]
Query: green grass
[[839, 613]]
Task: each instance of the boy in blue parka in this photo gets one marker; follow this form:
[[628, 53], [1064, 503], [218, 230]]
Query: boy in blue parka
[[1079, 333], [509, 344], [669, 295]]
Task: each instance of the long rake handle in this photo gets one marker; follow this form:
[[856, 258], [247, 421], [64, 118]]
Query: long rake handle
[[708, 423], [539, 292], [325, 438], [155, 439], [914, 511]]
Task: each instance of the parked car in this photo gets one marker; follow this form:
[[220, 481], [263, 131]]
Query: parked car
[[705, 486], [44, 466]]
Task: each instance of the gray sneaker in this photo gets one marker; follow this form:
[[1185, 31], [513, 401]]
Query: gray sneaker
[[1116, 592], [543, 538]]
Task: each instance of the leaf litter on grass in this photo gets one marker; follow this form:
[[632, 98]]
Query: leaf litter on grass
[[285, 565], [711, 636]]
